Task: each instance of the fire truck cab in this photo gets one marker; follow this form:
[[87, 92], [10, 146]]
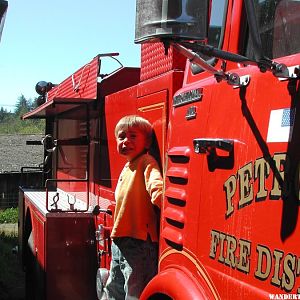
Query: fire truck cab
[[219, 81]]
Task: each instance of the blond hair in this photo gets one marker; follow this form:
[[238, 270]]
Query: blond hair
[[135, 121]]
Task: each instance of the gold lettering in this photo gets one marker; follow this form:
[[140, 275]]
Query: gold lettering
[[288, 277], [243, 262], [281, 167], [278, 256], [263, 265], [236, 254], [230, 188], [298, 266], [246, 187], [261, 171], [222, 238], [214, 243], [231, 247]]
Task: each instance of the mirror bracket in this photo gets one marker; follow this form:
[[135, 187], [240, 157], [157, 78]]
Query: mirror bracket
[[220, 75]]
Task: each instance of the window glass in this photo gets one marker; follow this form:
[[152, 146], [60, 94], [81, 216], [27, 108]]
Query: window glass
[[72, 158], [215, 32], [279, 27]]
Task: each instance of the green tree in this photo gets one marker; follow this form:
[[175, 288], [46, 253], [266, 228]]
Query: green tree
[[23, 105], [3, 114], [34, 103], [11, 123]]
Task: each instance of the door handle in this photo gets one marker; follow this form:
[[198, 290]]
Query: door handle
[[206, 146]]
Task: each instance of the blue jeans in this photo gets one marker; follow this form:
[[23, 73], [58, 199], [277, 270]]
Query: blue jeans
[[133, 265]]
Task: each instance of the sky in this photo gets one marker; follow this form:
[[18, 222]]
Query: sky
[[50, 40]]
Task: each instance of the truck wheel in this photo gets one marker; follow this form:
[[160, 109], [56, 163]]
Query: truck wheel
[[34, 276], [159, 297], [29, 267], [101, 279]]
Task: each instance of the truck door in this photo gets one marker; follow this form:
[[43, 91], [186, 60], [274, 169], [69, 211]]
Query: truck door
[[250, 190]]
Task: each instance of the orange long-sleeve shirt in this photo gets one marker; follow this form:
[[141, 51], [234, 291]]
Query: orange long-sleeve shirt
[[139, 188]]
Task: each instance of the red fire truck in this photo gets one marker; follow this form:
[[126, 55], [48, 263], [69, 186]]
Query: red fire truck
[[219, 81]]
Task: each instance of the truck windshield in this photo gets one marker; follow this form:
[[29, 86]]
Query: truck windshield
[[279, 27]]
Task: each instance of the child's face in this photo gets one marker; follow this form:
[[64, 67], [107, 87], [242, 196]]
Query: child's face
[[131, 142]]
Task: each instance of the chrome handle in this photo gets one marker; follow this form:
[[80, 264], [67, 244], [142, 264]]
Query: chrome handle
[[204, 146]]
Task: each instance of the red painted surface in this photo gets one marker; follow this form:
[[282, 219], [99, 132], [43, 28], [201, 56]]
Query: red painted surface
[[71, 257], [81, 84], [154, 62]]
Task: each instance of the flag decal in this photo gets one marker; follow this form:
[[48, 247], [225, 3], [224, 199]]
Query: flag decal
[[281, 124]]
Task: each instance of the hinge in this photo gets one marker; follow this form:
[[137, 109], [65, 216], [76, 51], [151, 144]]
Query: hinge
[[290, 73], [243, 81]]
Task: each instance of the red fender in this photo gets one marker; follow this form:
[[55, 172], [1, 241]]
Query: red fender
[[177, 284]]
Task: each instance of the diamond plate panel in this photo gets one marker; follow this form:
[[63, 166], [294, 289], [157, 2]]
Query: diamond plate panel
[[154, 62]]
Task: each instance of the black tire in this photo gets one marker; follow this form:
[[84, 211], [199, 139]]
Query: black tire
[[34, 275]]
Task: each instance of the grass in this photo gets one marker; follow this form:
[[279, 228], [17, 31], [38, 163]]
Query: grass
[[9, 215], [12, 278]]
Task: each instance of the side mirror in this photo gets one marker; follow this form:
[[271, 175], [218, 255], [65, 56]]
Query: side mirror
[[171, 20]]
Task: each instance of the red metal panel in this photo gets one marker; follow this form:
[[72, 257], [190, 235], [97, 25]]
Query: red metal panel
[[119, 80], [71, 257], [117, 105], [82, 84], [154, 61]]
